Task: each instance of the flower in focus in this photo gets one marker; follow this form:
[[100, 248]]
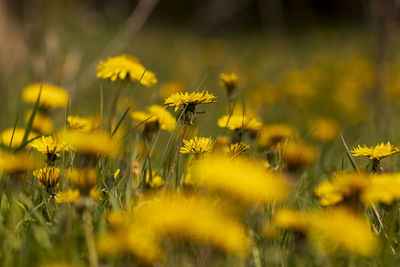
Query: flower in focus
[[240, 178], [48, 177], [378, 152], [238, 122], [234, 150], [16, 137], [298, 155], [51, 96], [198, 145], [325, 130], [49, 146], [125, 68], [273, 134], [156, 114], [189, 100]]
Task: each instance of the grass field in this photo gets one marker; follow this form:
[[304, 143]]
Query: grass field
[[170, 149]]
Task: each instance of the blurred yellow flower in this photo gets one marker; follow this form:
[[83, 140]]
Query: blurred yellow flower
[[325, 130], [198, 145], [80, 123], [236, 122], [229, 81], [51, 97], [41, 123], [189, 99], [378, 152], [125, 68], [92, 143], [298, 155], [274, 134], [83, 179], [69, 196], [291, 220], [170, 88], [383, 188], [17, 138], [240, 178], [18, 163], [158, 114]]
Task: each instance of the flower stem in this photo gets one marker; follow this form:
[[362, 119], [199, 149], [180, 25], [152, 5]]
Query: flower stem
[[87, 224], [114, 106], [178, 146]]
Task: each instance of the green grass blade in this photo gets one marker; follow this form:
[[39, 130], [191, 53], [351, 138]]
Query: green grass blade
[[12, 136], [353, 163], [120, 121]]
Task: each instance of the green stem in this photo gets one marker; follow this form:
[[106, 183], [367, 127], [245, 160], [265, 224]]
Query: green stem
[[87, 224]]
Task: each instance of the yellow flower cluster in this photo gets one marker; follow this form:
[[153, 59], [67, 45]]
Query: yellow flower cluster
[[198, 145]]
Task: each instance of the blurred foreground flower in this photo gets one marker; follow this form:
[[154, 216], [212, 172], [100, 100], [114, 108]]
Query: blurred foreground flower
[[51, 96], [298, 155], [155, 114], [241, 179], [14, 138]]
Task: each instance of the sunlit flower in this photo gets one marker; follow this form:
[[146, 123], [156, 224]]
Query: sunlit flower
[[48, 177], [41, 123], [324, 130], [274, 134], [92, 143], [378, 152], [156, 114], [241, 179], [83, 179], [236, 122], [234, 150], [16, 137], [51, 96], [298, 155], [189, 100], [198, 145], [80, 123], [125, 68], [49, 146]]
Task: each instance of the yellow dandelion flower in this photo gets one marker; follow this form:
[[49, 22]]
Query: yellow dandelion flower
[[236, 122], [229, 81], [291, 220], [344, 187], [234, 150], [273, 134], [17, 163], [83, 179], [197, 219], [51, 97], [241, 179], [139, 240], [382, 188], [189, 100], [50, 146], [7, 135], [48, 176], [125, 68], [325, 130], [172, 88], [198, 145], [69, 196], [80, 123], [92, 143], [299, 155], [378, 152], [156, 182], [156, 114], [41, 123], [340, 228]]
